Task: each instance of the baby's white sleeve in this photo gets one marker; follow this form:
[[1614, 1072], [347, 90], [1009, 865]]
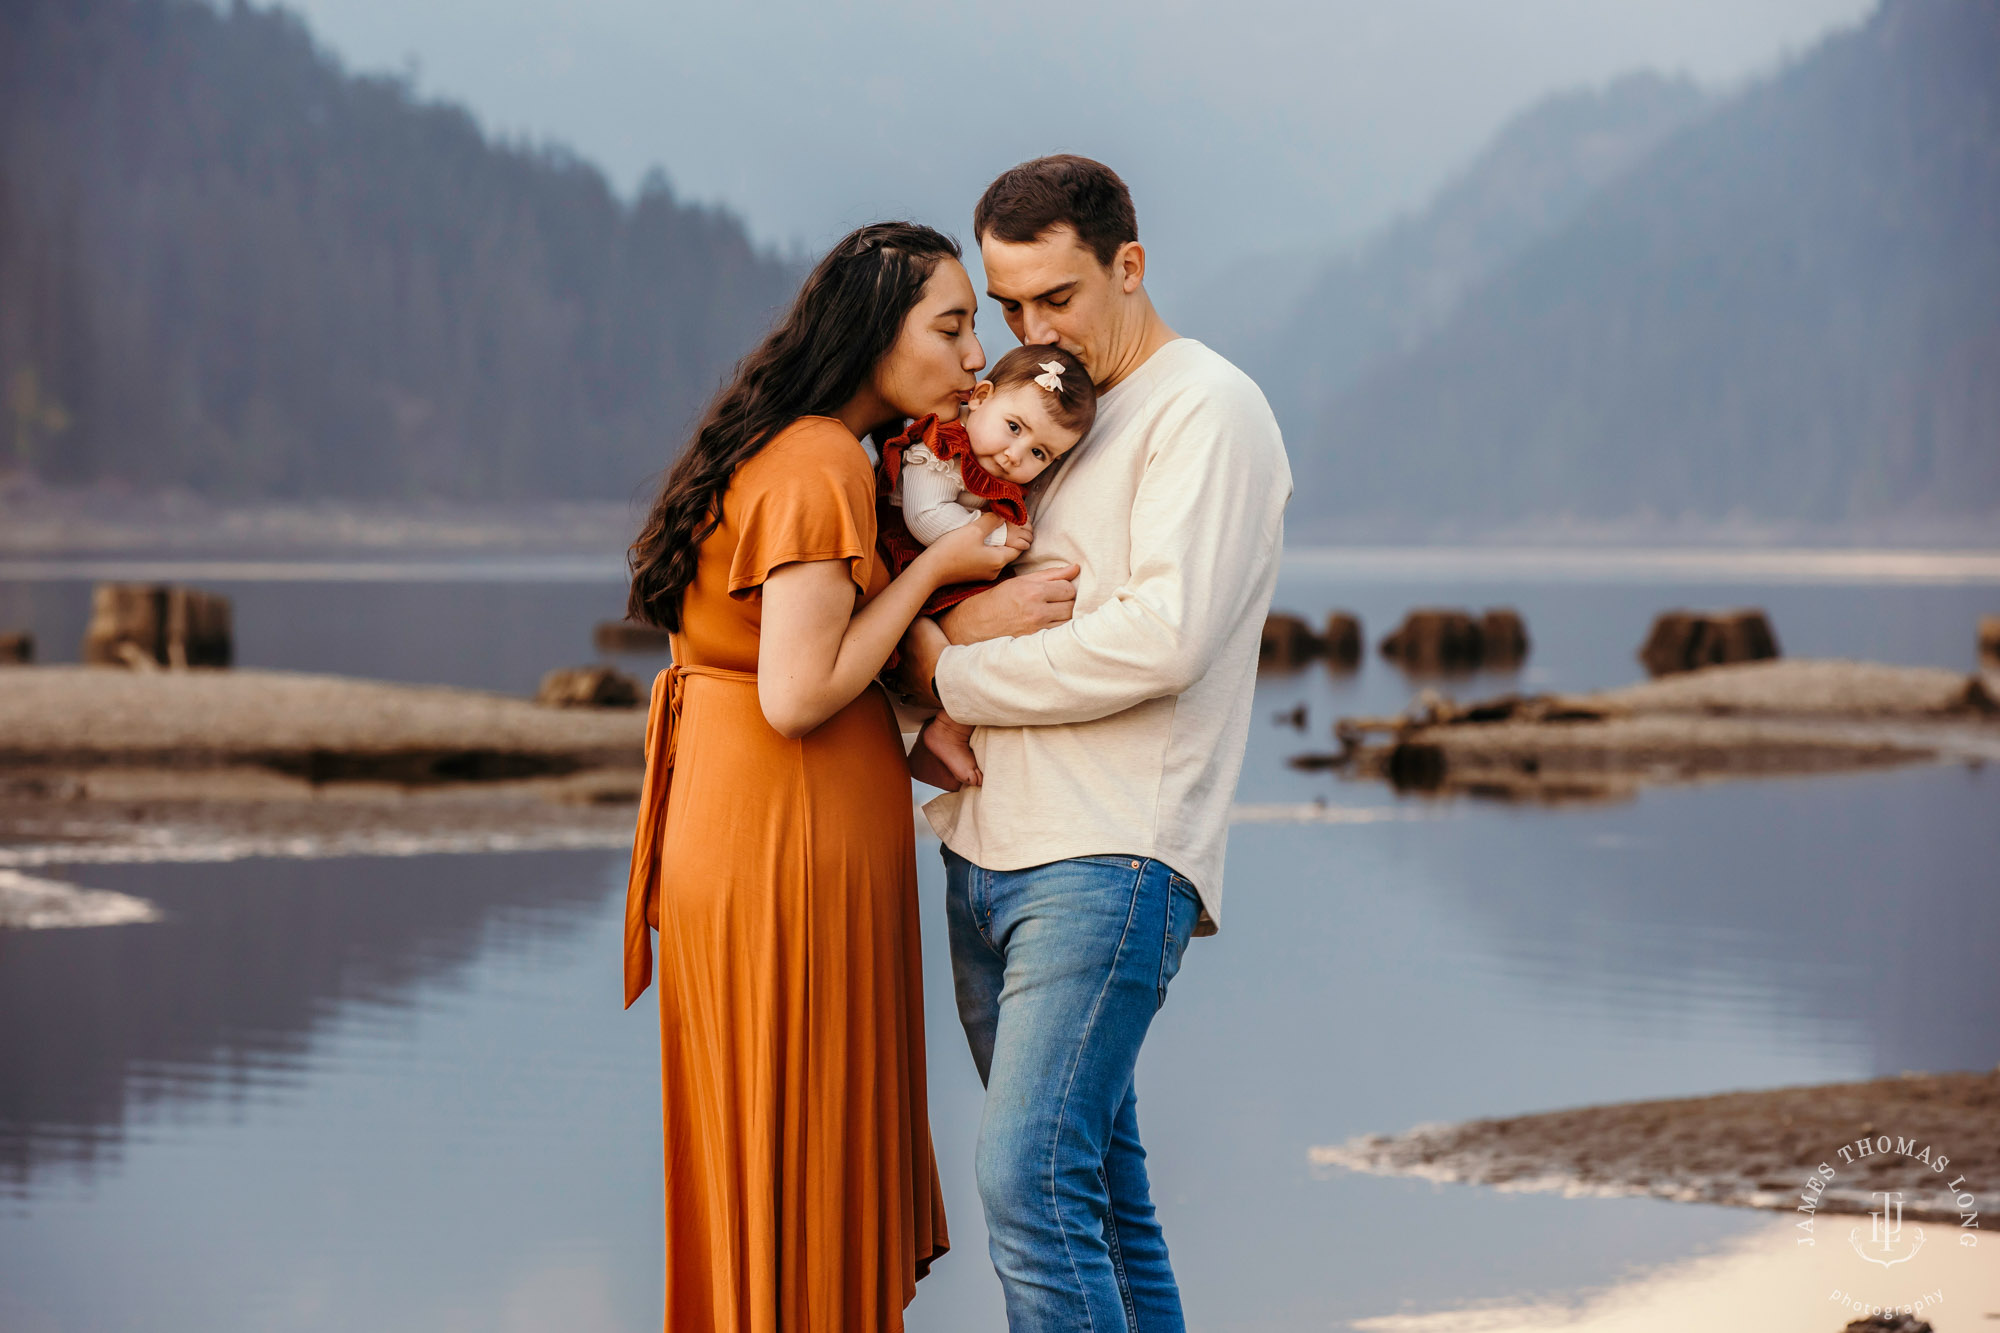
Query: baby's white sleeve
[[930, 489]]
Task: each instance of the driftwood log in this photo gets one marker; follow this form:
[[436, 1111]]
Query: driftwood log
[[154, 625], [17, 648]]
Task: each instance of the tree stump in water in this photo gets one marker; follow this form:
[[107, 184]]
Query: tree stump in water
[[1503, 639], [1435, 638], [588, 687], [629, 636], [1342, 640], [1685, 640], [152, 625], [1286, 642]]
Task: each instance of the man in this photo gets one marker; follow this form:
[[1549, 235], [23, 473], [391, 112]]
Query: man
[[1110, 734]]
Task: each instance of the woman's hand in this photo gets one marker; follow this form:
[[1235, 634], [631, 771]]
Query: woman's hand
[[816, 651], [962, 555]]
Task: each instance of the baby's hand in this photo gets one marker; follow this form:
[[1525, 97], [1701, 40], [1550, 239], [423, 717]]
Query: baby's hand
[[962, 555], [1000, 536]]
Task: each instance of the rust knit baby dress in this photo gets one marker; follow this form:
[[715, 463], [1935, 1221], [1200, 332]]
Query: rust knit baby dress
[[801, 1191]]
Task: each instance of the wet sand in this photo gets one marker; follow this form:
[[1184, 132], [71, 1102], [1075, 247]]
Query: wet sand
[[1743, 1149]]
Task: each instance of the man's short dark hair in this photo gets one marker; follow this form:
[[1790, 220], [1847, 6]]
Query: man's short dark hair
[[1063, 190]]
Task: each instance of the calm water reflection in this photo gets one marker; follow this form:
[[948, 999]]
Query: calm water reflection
[[398, 1093]]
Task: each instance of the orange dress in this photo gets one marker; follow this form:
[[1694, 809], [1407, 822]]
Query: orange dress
[[801, 1190]]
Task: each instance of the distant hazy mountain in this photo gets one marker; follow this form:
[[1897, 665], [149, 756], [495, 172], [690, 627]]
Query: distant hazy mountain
[[1304, 345], [1789, 308], [228, 264]]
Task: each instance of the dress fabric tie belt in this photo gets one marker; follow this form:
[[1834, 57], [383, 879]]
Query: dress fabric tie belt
[[642, 892]]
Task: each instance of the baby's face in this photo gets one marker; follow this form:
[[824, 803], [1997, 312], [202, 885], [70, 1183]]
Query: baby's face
[[1013, 436]]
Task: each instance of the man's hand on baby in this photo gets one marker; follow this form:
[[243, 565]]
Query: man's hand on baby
[[962, 555], [1011, 607]]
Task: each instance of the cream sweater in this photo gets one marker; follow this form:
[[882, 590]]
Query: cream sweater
[[932, 494], [1123, 729]]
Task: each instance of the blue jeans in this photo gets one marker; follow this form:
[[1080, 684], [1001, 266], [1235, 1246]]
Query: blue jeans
[[1059, 970]]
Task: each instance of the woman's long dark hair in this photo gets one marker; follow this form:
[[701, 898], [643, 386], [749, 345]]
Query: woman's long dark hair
[[843, 321]]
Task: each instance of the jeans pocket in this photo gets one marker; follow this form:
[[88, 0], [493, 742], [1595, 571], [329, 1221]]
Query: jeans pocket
[[1183, 910]]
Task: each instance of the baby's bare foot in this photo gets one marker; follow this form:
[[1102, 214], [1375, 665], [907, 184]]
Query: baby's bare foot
[[952, 744]]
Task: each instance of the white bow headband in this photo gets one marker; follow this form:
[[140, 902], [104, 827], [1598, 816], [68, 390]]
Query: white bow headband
[[1052, 380]]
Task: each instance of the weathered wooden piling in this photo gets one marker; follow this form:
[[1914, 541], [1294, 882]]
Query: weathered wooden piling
[[588, 687], [1503, 639], [1343, 639], [629, 636], [1682, 640], [1436, 638], [1288, 642], [153, 625]]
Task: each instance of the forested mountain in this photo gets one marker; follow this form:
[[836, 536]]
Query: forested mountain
[[1790, 308], [1393, 290], [227, 263]]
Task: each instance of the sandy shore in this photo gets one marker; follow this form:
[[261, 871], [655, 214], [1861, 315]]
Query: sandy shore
[[122, 816], [102, 765], [1745, 1149], [107, 765], [1780, 717], [57, 719]]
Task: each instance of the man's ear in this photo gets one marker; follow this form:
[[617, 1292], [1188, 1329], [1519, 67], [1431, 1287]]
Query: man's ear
[[1128, 266]]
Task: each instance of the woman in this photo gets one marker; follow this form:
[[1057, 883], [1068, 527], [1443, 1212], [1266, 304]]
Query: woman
[[774, 851]]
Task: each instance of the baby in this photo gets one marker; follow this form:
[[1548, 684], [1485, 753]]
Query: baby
[[1029, 412]]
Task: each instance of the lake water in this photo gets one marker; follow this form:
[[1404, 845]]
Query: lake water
[[398, 1092]]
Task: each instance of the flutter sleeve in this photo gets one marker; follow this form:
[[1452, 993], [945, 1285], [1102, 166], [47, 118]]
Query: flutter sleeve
[[808, 496], [930, 491]]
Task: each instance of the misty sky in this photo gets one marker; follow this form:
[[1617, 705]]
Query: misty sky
[[1243, 127]]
